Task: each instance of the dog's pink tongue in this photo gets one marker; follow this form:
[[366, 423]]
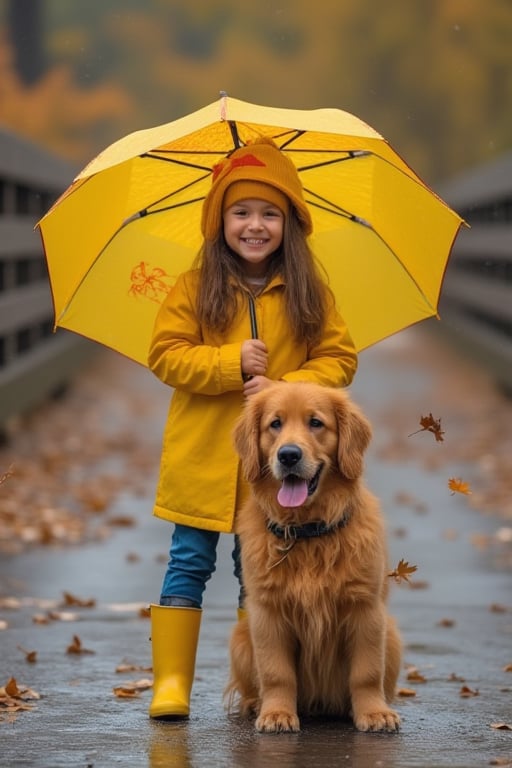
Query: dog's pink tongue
[[293, 492]]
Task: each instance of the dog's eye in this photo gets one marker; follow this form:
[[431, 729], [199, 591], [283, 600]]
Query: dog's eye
[[315, 423], [275, 424]]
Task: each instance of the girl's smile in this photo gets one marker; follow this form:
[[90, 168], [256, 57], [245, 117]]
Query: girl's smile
[[253, 229]]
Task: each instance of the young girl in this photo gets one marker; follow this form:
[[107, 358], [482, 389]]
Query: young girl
[[254, 310]]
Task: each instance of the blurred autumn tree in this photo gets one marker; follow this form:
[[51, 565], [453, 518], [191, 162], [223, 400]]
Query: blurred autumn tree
[[433, 76]]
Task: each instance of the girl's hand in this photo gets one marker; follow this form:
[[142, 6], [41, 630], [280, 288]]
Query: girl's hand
[[253, 357], [256, 384]]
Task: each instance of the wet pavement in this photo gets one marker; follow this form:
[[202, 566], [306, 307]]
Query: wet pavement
[[455, 618]]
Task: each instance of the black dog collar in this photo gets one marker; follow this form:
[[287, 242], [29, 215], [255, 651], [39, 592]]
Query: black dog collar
[[306, 531]]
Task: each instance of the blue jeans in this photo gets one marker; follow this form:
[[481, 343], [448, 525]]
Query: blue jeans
[[193, 556]]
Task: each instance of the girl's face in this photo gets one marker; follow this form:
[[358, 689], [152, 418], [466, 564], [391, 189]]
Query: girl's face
[[253, 229]]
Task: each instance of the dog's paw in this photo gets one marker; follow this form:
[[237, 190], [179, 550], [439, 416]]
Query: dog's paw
[[277, 722], [384, 720]]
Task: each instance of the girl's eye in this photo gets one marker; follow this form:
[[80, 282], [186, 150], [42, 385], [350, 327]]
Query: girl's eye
[[275, 424], [315, 423]]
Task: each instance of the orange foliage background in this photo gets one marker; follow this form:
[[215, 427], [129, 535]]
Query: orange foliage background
[[434, 77]]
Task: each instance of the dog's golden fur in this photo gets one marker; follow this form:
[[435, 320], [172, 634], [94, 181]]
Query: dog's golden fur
[[317, 638]]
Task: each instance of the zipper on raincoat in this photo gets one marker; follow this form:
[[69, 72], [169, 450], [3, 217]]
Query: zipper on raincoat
[[252, 315], [254, 325]]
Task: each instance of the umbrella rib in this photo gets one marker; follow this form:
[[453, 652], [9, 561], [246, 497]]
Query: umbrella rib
[[234, 134], [145, 210], [331, 207], [351, 155], [176, 162]]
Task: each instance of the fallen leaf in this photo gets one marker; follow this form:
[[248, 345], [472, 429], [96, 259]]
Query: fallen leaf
[[429, 424], [498, 608], [500, 761], [456, 678], [125, 693], [124, 667], [507, 668], [446, 623], [72, 600], [133, 689], [11, 690], [76, 647], [456, 485], [406, 692], [40, 618], [30, 656], [466, 692], [6, 475], [415, 676], [63, 616], [501, 726], [402, 571]]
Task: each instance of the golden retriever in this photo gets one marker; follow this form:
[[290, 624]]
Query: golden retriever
[[317, 637]]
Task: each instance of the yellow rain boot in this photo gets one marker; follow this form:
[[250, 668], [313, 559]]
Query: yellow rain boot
[[174, 636]]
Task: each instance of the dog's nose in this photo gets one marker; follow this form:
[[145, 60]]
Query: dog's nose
[[289, 455]]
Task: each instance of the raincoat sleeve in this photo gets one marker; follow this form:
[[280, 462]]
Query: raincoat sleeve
[[333, 360], [178, 354]]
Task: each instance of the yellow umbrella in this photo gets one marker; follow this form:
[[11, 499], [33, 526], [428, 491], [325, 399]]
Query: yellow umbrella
[[130, 222]]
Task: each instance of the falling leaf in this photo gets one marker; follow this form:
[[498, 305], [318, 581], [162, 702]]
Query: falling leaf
[[76, 647], [501, 726], [429, 424], [402, 571], [406, 692], [72, 600], [419, 585], [456, 485], [30, 656], [466, 692]]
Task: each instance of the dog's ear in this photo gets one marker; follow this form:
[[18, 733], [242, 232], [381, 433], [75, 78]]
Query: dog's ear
[[354, 435], [246, 437]]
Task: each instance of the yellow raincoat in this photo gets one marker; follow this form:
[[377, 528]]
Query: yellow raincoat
[[200, 481]]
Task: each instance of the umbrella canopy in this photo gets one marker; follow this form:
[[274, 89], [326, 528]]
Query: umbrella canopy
[[130, 222]]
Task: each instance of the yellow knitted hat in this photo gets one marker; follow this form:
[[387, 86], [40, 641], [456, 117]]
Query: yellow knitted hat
[[245, 190], [261, 161]]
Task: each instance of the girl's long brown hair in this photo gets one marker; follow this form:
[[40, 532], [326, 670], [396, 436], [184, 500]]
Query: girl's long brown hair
[[307, 295]]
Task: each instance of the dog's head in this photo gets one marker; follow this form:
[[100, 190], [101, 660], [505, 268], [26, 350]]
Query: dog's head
[[300, 434]]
